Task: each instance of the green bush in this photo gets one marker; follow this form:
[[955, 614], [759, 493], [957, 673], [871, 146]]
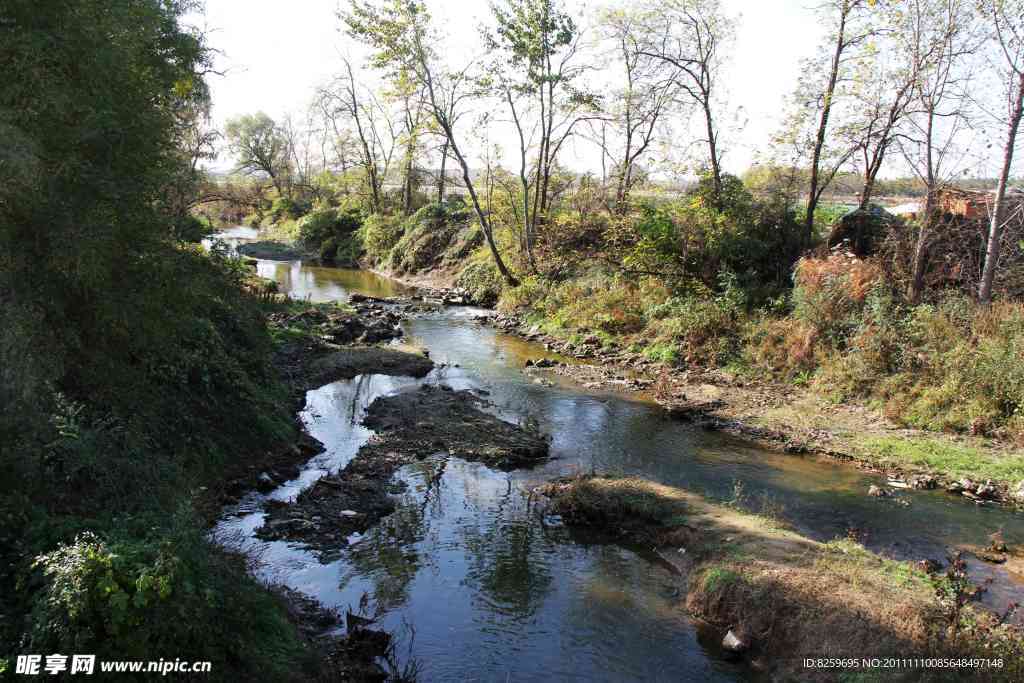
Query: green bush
[[162, 598], [425, 237], [323, 224], [482, 280], [287, 208], [380, 235]]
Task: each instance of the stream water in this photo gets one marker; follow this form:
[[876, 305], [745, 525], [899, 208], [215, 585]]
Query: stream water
[[476, 588]]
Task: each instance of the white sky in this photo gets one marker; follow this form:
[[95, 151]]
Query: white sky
[[276, 53]]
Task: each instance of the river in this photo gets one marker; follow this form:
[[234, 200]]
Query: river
[[476, 588]]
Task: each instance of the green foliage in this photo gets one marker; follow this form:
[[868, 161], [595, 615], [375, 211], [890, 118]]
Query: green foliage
[[380, 235], [133, 365], [193, 229], [482, 280], [717, 578], [285, 208], [696, 239], [334, 233], [142, 598], [259, 146], [959, 460], [426, 236], [323, 224]]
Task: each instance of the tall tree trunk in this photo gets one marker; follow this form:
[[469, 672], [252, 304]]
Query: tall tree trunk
[[444, 170], [926, 222], [407, 189], [998, 209], [485, 224], [819, 143], [716, 170]]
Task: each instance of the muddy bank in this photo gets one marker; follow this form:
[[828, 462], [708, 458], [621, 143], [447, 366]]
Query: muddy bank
[[268, 249], [779, 417], [354, 656], [323, 344], [308, 356], [776, 597], [410, 426], [438, 285]]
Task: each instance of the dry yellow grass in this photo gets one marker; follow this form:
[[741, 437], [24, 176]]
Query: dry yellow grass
[[789, 596]]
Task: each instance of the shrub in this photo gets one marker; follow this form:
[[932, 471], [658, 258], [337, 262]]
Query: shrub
[[482, 280], [704, 328], [830, 294], [284, 208], [318, 226], [380, 234], [426, 235], [782, 348], [148, 599]]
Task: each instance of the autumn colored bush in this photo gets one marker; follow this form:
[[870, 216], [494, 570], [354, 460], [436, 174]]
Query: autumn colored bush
[[783, 348], [829, 293]]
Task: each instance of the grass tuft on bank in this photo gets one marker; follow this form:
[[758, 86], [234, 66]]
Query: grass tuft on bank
[[955, 459], [786, 596]]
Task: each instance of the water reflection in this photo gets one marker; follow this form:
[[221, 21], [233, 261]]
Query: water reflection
[[494, 595], [319, 284]]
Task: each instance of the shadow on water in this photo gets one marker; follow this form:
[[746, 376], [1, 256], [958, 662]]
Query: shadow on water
[[491, 593]]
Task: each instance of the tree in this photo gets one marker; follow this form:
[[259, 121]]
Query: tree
[[188, 186], [634, 112], [816, 100], [95, 106], [375, 136], [690, 35], [399, 33], [1007, 17], [882, 93], [935, 39], [260, 148], [536, 45], [410, 98]]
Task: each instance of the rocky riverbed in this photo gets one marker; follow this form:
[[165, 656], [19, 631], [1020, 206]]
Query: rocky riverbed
[[775, 416], [410, 426]]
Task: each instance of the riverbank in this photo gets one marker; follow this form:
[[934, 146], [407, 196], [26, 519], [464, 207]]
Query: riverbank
[[777, 597], [790, 419], [411, 426], [316, 344], [779, 416]]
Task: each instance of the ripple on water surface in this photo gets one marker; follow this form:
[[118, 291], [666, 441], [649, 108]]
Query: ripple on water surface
[[489, 592]]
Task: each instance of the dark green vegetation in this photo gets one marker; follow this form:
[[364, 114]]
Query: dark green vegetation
[[125, 351]]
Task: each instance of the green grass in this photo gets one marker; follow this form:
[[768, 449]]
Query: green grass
[[902, 574], [716, 578], [955, 460]]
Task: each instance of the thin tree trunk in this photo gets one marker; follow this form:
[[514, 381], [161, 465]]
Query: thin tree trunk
[[481, 216], [716, 171], [819, 144], [996, 226], [927, 221], [442, 177]]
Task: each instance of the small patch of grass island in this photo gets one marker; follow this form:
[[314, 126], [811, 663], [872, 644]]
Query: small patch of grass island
[[779, 597]]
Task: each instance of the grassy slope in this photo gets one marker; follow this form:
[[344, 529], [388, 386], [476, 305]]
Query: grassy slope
[[788, 596]]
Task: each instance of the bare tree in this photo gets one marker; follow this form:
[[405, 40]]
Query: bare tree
[[691, 35], [849, 30], [399, 33], [345, 100], [1007, 17], [936, 38], [630, 125], [536, 73]]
